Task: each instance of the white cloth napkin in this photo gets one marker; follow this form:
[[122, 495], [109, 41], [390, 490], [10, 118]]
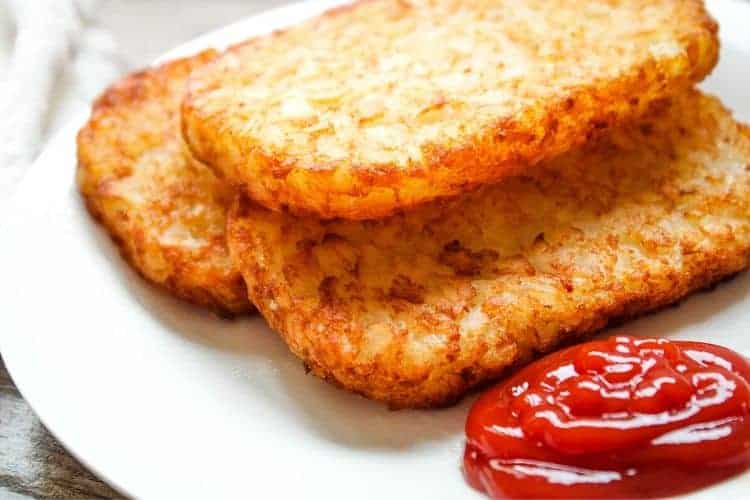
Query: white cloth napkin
[[57, 59]]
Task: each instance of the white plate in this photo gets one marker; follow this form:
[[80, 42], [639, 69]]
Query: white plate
[[163, 400]]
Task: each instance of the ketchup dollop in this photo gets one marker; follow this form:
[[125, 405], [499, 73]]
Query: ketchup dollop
[[617, 418]]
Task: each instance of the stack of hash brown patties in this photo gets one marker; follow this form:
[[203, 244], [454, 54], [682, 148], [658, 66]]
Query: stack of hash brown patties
[[420, 194]]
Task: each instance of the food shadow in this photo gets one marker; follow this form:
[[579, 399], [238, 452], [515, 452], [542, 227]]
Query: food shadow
[[269, 368]]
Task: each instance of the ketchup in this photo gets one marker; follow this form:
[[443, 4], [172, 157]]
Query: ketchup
[[617, 418]]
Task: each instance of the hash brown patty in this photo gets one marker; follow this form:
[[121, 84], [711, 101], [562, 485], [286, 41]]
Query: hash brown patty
[[166, 211], [418, 308], [386, 104]]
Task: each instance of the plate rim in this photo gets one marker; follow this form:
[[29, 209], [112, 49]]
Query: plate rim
[[231, 33], [69, 129]]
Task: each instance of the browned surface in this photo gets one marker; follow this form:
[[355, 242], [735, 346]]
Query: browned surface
[[165, 210], [387, 104], [416, 309]]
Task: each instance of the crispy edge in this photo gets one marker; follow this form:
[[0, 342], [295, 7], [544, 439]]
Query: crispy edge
[[132, 91], [411, 388], [506, 149]]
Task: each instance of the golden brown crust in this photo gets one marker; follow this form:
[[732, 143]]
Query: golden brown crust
[[418, 308], [165, 210], [384, 105]]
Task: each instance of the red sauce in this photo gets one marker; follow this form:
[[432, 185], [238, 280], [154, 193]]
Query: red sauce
[[617, 418]]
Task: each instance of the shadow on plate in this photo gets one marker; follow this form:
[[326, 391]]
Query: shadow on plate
[[262, 364], [269, 368], [731, 82]]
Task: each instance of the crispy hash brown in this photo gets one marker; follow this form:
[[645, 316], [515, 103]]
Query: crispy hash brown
[[166, 211], [418, 308], [386, 104]]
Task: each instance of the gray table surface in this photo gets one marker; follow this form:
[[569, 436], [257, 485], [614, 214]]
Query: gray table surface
[[32, 462]]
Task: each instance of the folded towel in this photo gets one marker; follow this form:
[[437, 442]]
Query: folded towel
[[56, 60]]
